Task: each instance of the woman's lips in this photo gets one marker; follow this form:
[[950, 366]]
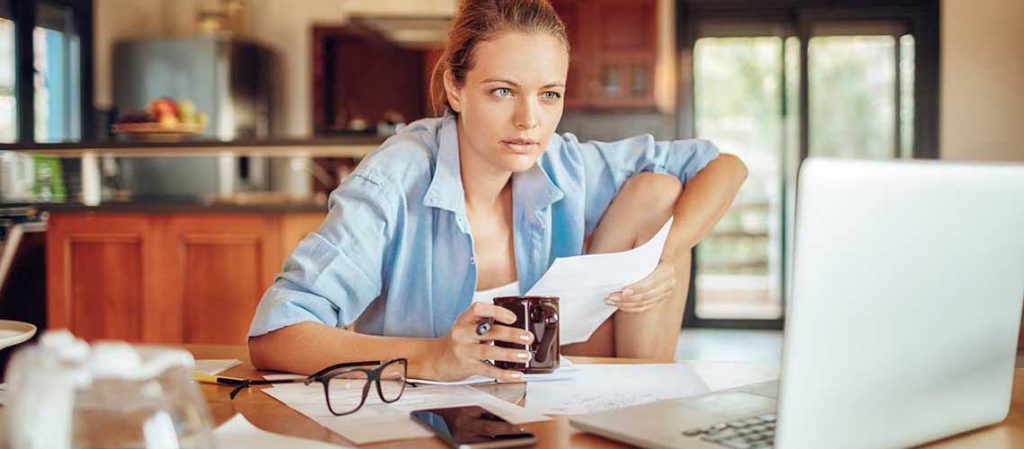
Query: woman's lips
[[521, 146]]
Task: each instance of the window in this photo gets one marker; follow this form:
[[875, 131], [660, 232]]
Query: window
[[8, 101], [57, 75], [776, 84], [45, 70]]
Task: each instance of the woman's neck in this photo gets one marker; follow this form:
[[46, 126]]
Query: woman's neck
[[486, 187]]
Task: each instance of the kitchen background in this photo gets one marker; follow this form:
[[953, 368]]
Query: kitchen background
[[160, 158]]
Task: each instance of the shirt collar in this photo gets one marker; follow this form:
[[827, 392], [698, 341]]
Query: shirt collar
[[445, 190], [532, 188]]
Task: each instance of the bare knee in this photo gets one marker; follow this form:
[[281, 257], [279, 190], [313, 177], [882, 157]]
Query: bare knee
[[641, 207], [650, 197], [656, 188]]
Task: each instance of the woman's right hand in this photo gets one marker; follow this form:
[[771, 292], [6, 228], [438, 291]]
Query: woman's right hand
[[462, 352]]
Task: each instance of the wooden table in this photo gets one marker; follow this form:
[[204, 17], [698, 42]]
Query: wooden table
[[266, 413]]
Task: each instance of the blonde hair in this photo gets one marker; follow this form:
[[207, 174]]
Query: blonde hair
[[481, 20]]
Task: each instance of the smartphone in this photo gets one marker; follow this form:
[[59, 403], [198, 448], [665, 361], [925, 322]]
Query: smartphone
[[473, 427]]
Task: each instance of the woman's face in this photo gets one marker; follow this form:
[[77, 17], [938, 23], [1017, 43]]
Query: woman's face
[[511, 101]]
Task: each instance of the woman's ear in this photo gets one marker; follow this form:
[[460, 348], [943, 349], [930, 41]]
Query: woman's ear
[[452, 92]]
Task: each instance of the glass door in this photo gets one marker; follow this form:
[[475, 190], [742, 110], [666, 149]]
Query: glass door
[[750, 83], [861, 89], [743, 102]]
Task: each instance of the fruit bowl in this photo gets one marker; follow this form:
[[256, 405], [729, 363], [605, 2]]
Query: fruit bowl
[[158, 132], [163, 120]]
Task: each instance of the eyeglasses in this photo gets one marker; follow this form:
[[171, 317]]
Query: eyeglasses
[[346, 385]]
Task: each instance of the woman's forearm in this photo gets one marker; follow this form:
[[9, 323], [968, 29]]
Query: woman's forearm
[[308, 347], [704, 201]]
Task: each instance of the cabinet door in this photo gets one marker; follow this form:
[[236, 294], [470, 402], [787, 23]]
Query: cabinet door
[[96, 274], [623, 26], [575, 83], [614, 50], [624, 50], [623, 81], [217, 268]]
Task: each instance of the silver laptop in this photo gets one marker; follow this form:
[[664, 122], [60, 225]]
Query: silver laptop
[[902, 325]]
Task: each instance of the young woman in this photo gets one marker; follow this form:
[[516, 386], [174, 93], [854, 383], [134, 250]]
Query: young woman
[[484, 199]]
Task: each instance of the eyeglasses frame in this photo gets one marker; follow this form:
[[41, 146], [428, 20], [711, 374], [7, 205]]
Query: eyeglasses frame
[[325, 375]]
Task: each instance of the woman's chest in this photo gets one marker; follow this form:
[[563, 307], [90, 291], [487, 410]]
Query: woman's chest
[[493, 251]]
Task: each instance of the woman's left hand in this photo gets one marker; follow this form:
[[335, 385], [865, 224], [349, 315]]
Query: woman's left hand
[[649, 292]]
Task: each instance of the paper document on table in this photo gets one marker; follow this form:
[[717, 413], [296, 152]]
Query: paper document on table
[[215, 366], [284, 376], [565, 372], [239, 433], [604, 387], [582, 283], [377, 421]]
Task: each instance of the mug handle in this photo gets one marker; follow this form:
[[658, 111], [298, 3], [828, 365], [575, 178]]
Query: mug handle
[[550, 326]]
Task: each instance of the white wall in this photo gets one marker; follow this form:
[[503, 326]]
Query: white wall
[[114, 20], [982, 76], [665, 68]]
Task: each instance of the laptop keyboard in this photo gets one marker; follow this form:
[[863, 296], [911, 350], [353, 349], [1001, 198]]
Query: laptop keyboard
[[749, 433]]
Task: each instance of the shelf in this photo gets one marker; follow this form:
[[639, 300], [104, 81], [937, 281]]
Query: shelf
[[298, 149]]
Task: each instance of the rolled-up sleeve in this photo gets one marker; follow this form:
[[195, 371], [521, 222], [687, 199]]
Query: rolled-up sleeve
[[607, 165], [336, 272]]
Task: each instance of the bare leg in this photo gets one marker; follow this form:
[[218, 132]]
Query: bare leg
[[639, 210]]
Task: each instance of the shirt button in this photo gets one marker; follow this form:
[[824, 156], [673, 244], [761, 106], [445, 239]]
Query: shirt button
[[472, 260]]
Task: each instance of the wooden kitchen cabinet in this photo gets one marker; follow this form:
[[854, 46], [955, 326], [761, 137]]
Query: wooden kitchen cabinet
[[95, 280], [614, 51], [361, 76], [214, 270], [165, 278]]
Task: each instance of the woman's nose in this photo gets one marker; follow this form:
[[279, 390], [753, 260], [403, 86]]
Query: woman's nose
[[526, 116]]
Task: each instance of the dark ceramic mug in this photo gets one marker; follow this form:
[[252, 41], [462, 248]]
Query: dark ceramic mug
[[539, 316]]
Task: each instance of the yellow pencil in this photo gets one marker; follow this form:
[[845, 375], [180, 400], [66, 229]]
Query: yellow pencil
[[215, 379]]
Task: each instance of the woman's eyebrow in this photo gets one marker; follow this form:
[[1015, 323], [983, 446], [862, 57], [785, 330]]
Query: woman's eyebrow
[[513, 83]]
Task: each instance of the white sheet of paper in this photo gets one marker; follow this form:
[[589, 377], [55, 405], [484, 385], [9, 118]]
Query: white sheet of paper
[[283, 376], [563, 373], [215, 366], [582, 282], [603, 387], [239, 433], [377, 421]]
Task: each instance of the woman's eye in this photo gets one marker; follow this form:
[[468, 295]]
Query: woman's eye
[[551, 95], [502, 92]]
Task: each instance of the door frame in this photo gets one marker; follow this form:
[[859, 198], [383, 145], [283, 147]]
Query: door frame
[[797, 18]]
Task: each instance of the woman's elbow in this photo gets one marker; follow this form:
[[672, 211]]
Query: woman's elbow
[[268, 351], [259, 352]]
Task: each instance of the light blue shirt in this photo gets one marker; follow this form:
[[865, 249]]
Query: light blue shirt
[[395, 253]]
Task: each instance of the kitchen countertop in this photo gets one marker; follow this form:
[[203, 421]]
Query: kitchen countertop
[[178, 207], [350, 146], [98, 145]]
